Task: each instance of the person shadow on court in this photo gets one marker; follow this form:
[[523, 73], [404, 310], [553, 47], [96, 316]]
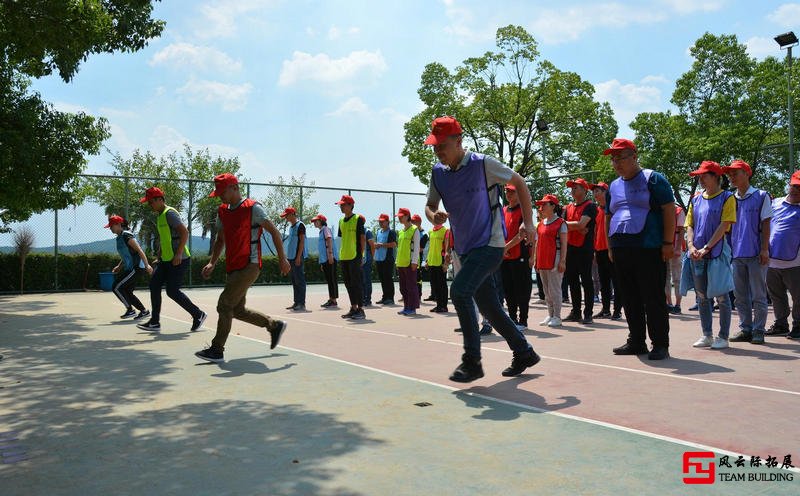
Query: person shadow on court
[[491, 400]]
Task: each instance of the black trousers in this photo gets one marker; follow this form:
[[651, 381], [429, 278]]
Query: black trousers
[[517, 286], [386, 274], [438, 276], [608, 280], [172, 276], [579, 273], [642, 275], [351, 273], [124, 287], [539, 286], [329, 270]]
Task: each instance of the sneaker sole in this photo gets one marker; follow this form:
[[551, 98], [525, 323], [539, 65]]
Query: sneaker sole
[[208, 359], [466, 379], [131, 316], [149, 329], [277, 336]]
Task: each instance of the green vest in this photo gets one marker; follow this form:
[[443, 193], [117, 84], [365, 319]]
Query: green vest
[[165, 236], [404, 239], [349, 245], [435, 243]]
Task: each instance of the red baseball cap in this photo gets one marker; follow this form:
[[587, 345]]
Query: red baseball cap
[[795, 179], [739, 164], [416, 218], [346, 200], [151, 193], [600, 185], [441, 128], [548, 199], [221, 182], [620, 144], [287, 211], [578, 182], [114, 219], [510, 187], [319, 217], [708, 166], [382, 217], [403, 211]]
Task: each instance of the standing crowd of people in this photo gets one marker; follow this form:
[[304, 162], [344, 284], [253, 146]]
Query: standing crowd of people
[[645, 250]]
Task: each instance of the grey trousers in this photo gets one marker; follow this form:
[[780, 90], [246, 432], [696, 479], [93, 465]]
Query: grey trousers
[[779, 281]]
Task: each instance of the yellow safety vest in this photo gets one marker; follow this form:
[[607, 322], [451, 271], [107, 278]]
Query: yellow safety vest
[[404, 239], [349, 245], [435, 243], [165, 236]]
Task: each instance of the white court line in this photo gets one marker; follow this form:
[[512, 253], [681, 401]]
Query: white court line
[[567, 360], [523, 406]]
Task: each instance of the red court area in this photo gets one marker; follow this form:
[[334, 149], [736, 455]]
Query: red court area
[[742, 400]]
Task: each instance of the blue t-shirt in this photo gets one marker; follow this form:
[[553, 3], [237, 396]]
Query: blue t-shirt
[[653, 233], [368, 235]]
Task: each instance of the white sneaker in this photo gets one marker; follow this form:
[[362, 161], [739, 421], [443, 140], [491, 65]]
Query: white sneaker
[[554, 322], [719, 343], [703, 342], [546, 321]]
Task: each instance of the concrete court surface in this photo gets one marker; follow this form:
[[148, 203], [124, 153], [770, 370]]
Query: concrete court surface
[[92, 405]]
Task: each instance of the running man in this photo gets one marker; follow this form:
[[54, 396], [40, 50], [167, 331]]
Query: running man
[[132, 262]]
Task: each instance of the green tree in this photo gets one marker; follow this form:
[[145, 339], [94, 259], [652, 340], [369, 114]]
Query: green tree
[[499, 96], [288, 193], [38, 38]]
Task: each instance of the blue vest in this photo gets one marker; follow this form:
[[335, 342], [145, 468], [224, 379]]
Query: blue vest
[[630, 204], [707, 216], [130, 259], [322, 248], [383, 253], [291, 245], [745, 235], [784, 234], [466, 199]]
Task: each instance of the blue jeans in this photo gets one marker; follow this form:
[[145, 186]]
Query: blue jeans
[[366, 281], [298, 283], [750, 289], [475, 280], [706, 305]]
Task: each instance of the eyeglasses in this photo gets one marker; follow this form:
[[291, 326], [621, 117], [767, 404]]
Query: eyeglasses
[[620, 158]]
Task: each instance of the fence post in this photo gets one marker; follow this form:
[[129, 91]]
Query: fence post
[[55, 249], [189, 225], [127, 197], [300, 212], [394, 209]]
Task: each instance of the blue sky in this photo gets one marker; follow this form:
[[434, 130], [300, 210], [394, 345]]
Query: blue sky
[[324, 88]]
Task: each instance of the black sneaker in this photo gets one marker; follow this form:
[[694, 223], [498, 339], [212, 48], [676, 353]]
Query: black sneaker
[[469, 370], [210, 355], [299, 308], [358, 315], [587, 321], [795, 334], [776, 330], [457, 329], [693, 308], [675, 310], [142, 314], [742, 337], [572, 317], [128, 314], [486, 329], [616, 316], [629, 349], [660, 353], [520, 362], [603, 314], [348, 314], [276, 333], [291, 307], [430, 298], [150, 326], [198, 322]]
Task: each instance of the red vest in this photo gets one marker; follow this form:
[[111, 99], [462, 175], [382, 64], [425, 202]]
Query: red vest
[[574, 213], [547, 245], [600, 238], [513, 219], [236, 224]]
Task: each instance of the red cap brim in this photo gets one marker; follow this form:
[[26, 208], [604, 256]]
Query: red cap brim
[[432, 139], [143, 200]]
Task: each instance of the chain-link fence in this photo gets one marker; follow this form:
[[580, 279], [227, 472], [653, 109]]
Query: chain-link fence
[[71, 247]]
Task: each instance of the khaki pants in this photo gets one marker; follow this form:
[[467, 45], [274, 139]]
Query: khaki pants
[[231, 305]]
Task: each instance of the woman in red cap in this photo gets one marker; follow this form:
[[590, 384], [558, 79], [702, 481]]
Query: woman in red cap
[[327, 259], [132, 262], [709, 218], [550, 260], [407, 262]]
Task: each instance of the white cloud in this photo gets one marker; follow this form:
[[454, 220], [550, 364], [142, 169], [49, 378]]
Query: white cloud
[[187, 56], [628, 100], [463, 26], [334, 32], [166, 140], [322, 68], [564, 25], [654, 79], [230, 96], [220, 17], [71, 108], [760, 48], [690, 6], [352, 106], [787, 15]]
